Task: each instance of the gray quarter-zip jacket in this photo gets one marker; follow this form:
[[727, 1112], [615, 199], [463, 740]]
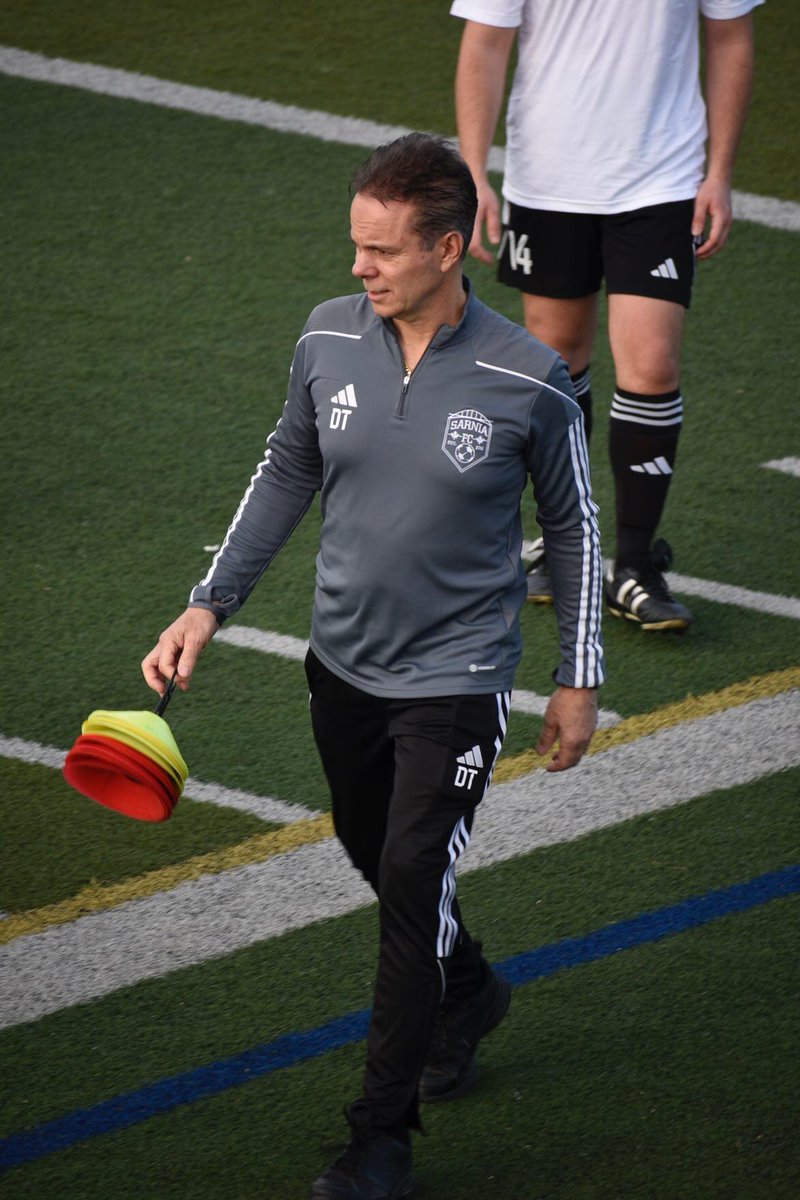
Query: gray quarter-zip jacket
[[419, 581]]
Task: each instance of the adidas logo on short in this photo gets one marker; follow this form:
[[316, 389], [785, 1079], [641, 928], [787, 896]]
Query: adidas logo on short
[[666, 270], [467, 766], [659, 466]]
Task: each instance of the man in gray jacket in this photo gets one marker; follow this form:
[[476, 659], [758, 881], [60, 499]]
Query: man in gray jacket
[[418, 414]]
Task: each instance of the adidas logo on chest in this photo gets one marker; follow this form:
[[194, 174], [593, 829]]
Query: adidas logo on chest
[[343, 404]]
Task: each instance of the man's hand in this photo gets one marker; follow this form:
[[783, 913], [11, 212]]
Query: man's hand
[[570, 720], [712, 207], [488, 214], [179, 648]]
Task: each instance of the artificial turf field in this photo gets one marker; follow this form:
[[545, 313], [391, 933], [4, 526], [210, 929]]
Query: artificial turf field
[[158, 268]]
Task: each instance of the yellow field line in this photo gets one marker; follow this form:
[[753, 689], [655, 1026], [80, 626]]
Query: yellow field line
[[100, 897], [759, 687]]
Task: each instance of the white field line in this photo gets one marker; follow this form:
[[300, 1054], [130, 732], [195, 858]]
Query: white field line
[[725, 593], [32, 752], [789, 466], [267, 642], [218, 914], [277, 812], [263, 640], [129, 85], [328, 127]]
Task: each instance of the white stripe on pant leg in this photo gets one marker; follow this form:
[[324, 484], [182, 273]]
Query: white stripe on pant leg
[[448, 927], [503, 707], [459, 840], [503, 700]]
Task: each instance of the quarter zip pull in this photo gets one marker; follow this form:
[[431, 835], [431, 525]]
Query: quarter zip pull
[[401, 407]]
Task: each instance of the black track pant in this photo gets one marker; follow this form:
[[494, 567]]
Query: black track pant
[[405, 778]]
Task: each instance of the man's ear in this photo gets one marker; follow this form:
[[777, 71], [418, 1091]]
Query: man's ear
[[452, 247]]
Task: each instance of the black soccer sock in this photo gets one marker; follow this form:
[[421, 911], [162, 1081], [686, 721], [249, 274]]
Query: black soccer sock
[[582, 383], [642, 442]]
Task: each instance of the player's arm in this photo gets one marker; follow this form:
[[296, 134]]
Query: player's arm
[[559, 468], [480, 86], [729, 52], [279, 495]]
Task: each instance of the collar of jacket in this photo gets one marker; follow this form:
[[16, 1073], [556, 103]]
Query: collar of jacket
[[470, 319]]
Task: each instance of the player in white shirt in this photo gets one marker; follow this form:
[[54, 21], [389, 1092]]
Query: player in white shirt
[[607, 177]]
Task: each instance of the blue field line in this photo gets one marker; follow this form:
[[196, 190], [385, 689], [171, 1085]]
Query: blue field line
[[132, 1107]]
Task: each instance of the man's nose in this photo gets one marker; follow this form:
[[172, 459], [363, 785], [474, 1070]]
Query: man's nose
[[362, 267]]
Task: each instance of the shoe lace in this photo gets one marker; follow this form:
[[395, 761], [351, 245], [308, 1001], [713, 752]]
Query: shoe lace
[[655, 584], [651, 578]]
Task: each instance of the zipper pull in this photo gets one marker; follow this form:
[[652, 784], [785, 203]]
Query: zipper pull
[[400, 411]]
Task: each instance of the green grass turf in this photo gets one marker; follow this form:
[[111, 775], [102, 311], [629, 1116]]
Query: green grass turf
[[666, 1071], [159, 268], [156, 308], [63, 841], [394, 63]]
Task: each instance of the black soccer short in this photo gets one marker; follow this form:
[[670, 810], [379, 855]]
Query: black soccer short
[[562, 255]]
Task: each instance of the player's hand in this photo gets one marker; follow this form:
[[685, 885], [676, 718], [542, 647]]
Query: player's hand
[[570, 720], [713, 207], [179, 648], [488, 216]]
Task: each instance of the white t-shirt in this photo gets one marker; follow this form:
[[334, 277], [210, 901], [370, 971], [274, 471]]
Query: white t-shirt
[[606, 112]]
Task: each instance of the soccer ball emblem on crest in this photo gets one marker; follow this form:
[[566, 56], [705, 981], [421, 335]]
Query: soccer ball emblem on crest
[[467, 437]]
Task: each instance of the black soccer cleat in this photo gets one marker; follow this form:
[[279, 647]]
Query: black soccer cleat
[[540, 589], [642, 595], [375, 1166], [449, 1071]]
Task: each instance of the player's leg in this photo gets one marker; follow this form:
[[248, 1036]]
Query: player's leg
[[445, 750], [444, 753], [649, 265], [554, 259], [569, 326], [351, 733]]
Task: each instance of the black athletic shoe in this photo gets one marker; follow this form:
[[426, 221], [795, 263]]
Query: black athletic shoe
[[540, 589], [374, 1166], [449, 1071], [642, 595]]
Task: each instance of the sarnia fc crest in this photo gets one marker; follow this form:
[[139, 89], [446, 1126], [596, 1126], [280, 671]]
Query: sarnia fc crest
[[466, 438]]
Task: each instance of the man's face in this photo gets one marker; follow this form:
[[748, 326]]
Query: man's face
[[402, 278]]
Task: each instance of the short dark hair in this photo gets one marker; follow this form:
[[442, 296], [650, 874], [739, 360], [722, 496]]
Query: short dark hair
[[429, 173]]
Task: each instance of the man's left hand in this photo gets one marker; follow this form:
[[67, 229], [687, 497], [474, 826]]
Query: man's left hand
[[570, 720], [712, 207]]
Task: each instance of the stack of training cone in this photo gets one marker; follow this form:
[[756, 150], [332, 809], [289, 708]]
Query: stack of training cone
[[129, 761]]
